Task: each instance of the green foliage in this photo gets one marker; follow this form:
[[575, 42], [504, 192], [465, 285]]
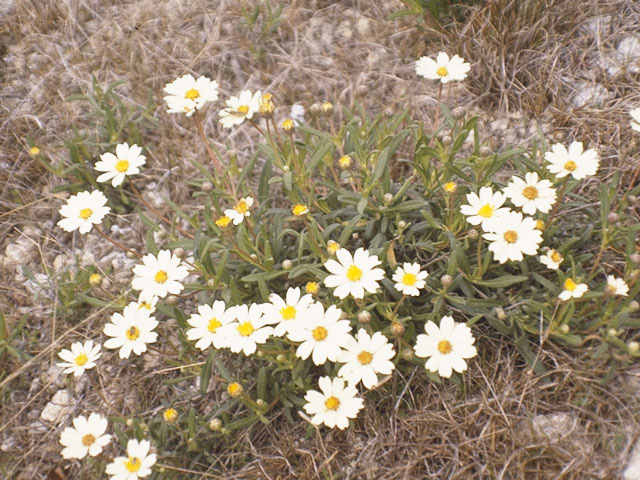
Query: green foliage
[[440, 11]]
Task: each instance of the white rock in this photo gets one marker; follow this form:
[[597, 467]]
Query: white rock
[[8, 444], [589, 94], [499, 124], [57, 410], [363, 26], [554, 426], [632, 470], [54, 375]]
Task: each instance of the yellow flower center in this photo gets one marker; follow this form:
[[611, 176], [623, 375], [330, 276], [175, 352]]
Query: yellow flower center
[[540, 225], [530, 193], [223, 221], [311, 287], [161, 276], [122, 165], [81, 359], [570, 165], [243, 109], [442, 71], [354, 273], [570, 285], [214, 323], [555, 256], [409, 279], [365, 358], [85, 213], [242, 207], [146, 305], [450, 187], [132, 333], [444, 347], [132, 464], [88, 440], [288, 312], [332, 403], [319, 334], [299, 210], [192, 94], [486, 211], [510, 236], [344, 161], [245, 329], [34, 151]]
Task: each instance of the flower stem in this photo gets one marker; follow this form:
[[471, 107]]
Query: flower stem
[[216, 162]]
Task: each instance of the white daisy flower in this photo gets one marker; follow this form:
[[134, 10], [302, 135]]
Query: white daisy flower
[[131, 330], [240, 108], [447, 346], [572, 289], [241, 210], [616, 286], [322, 334], [635, 122], [365, 357], [353, 276], [159, 276], [186, 94], [511, 235], [574, 161], [136, 465], [207, 325], [484, 208], [86, 437], [81, 357], [126, 161], [443, 68], [248, 330], [288, 312], [531, 194], [83, 211], [552, 259], [334, 405], [409, 279]]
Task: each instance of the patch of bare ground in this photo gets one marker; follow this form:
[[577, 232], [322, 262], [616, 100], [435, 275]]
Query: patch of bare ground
[[555, 64]]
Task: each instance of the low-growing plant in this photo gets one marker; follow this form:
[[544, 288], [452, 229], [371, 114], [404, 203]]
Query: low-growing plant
[[338, 253]]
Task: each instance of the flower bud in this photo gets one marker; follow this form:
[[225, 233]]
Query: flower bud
[[634, 306], [485, 150], [286, 168], [206, 187], [170, 415], [344, 162], [95, 279], [612, 332], [235, 390], [362, 90], [540, 225], [326, 108], [632, 199], [473, 234], [287, 264], [261, 404], [215, 424], [635, 258], [397, 329], [613, 217], [364, 317], [446, 280], [450, 187], [312, 287], [564, 329], [129, 422], [280, 358], [402, 224], [33, 151], [288, 125], [387, 198], [388, 112], [500, 314], [446, 140], [211, 282], [253, 256], [408, 354], [634, 347], [332, 247], [172, 300], [130, 254], [314, 109], [179, 252]]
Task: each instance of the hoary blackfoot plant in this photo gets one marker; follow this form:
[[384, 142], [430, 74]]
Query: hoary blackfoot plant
[[338, 253]]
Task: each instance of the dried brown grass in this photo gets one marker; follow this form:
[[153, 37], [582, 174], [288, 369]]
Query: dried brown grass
[[527, 56]]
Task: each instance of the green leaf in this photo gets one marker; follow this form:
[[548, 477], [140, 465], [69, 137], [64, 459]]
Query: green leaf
[[500, 282]]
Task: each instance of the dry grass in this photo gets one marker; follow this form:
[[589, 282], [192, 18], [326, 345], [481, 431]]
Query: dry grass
[[527, 57]]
